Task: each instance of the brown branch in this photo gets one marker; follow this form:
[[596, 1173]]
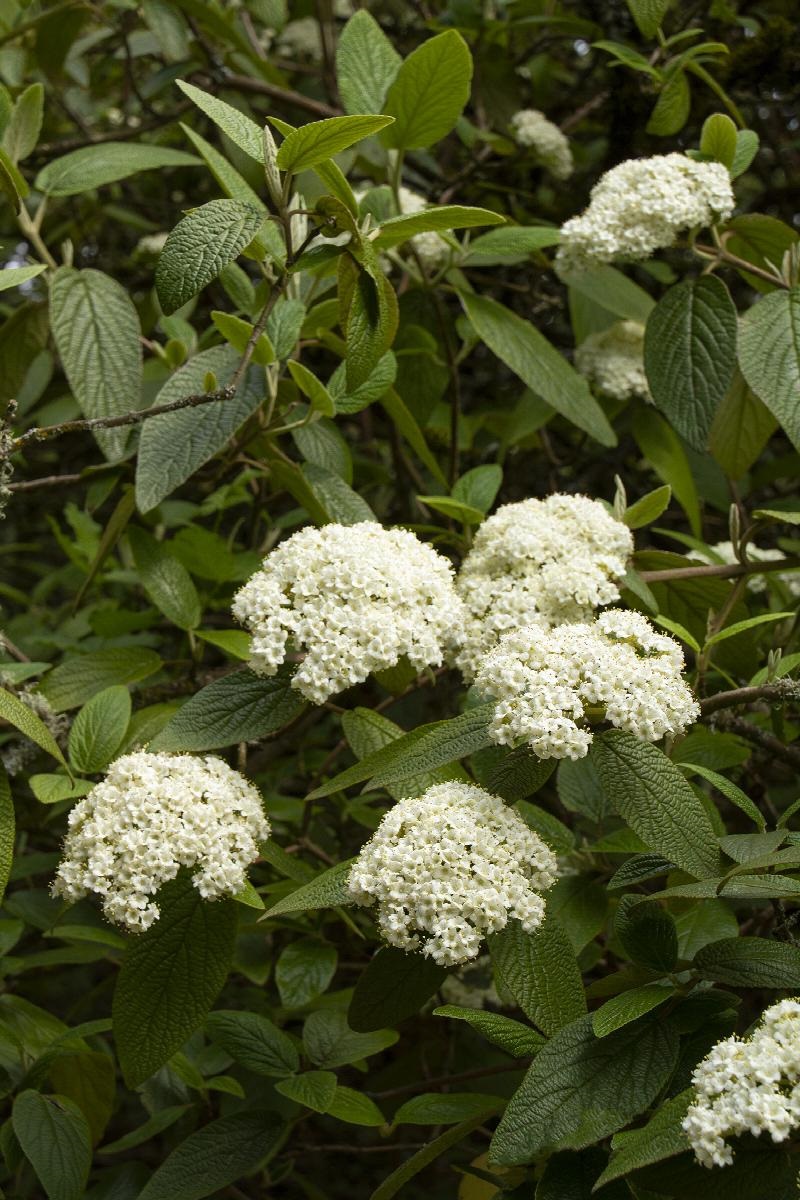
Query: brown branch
[[422, 1085], [243, 83], [719, 570], [733, 260], [585, 109], [781, 690], [28, 485], [766, 741]]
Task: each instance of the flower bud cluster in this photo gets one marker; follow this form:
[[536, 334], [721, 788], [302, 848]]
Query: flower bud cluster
[[450, 867], [613, 361], [532, 129]]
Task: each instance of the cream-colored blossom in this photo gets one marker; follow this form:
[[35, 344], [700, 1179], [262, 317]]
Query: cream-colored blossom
[[613, 361], [548, 685], [152, 815], [724, 552], [641, 206], [450, 867], [532, 129]]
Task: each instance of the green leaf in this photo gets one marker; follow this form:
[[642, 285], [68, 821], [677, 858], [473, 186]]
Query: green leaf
[[581, 1088], [88, 1078], [166, 581], [175, 445], [94, 166], [215, 1155], [428, 1154], [513, 244], [647, 933], [444, 1108], [303, 971], [241, 130], [519, 774], [422, 750], [516, 1039], [22, 131], [443, 217], [750, 962], [538, 364], [741, 428], [239, 707], [750, 623], [690, 354], [655, 801], [7, 831], [313, 1089], [454, 508], [97, 332], [320, 140], [672, 107], [313, 389], [648, 15], [255, 1042], [629, 1006], [54, 1136], [76, 680], [479, 487], [614, 292], [149, 1128], [662, 1137], [234, 186], [170, 977], [330, 1042], [718, 139], [11, 181], [429, 92], [14, 276], [662, 448], [539, 970], [28, 724], [206, 240], [99, 729], [762, 241], [769, 357], [353, 1107], [327, 890], [366, 64], [729, 790], [238, 333], [394, 986], [746, 150], [649, 508]]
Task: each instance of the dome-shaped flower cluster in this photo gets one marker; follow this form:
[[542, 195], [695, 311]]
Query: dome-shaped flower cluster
[[613, 361], [548, 685], [353, 599], [450, 867], [747, 1086], [546, 561], [641, 206], [532, 129], [152, 815], [724, 552], [432, 250]]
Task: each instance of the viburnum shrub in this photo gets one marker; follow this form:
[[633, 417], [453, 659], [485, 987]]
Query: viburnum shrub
[[399, 698]]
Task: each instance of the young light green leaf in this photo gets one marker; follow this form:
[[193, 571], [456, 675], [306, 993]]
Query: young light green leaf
[[97, 332], [581, 1088], [319, 140], [746, 150], [94, 166], [614, 292], [429, 92], [454, 508], [99, 729], [354, 1107], [238, 333], [239, 707], [166, 581], [397, 230], [479, 487], [673, 105], [690, 354], [538, 364], [540, 971], [648, 508], [242, 130], [255, 1042], [54, 1136], [648, 15], [718, 139], [513, 244], [77, 679], [655, 801], [750, 623], [313, 388], [170, 977], [14, 276], [327, 890], [199, 247], [769, 356], [22, 131], [366, 64], [215, 1155], [29, 724]]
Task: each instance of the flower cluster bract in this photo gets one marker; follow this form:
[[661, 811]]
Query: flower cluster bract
[[747, 1086], [547, 561], [613, 361], [354, 599], [448, 868], [548, 684], [642, 206], [532, 129], [152, 815]]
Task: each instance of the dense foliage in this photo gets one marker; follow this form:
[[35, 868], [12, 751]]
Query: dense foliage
[[402, 420]]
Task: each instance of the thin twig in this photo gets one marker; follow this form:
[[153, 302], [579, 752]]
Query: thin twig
[[754, 733], [722, 255], [422, 1085], [719, 570], [28, 485], [780, 690], [243, 83]]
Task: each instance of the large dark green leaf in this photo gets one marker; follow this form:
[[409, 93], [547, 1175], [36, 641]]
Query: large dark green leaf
[[206, 240], [240, 707], [539, 970], [769, 357], [394, 986], [429, 92], [54, 1136]]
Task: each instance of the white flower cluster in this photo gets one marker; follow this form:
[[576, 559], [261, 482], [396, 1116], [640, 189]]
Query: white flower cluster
[[354, 599], [532, 129], [641, 206], [152, 815], [546, 561], [613, 361], [725, 552], [472, 985], [151, 244], [548, 685], [19, 752], [433, 250], [747, 1086], [448, 868]]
